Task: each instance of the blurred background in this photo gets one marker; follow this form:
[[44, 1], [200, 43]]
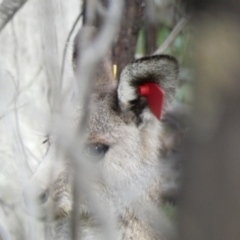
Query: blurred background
[[36, 76]]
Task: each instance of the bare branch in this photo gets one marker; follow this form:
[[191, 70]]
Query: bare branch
[[66, 46], [172, 36], [90, 57], [8, 9]]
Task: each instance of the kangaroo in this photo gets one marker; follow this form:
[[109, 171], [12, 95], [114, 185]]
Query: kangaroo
[[122, 146]]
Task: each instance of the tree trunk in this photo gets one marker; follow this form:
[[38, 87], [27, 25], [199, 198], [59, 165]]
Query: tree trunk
[[124, 49], [210, 202]]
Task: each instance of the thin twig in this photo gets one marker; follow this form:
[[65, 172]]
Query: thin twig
[[172, 36], [66, 46]]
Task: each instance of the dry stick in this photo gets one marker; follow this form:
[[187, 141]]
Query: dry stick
[[172, 36], [91, 56], [8, 9]]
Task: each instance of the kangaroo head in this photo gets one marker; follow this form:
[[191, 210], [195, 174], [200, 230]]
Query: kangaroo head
[[122, 141]]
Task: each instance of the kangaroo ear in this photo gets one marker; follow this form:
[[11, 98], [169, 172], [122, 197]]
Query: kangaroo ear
[[161, 71]]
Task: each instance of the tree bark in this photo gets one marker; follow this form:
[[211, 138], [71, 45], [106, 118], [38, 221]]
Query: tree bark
[[125, 46], [150, 36]]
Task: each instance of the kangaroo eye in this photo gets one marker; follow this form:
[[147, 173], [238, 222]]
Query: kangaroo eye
[[96, 151]]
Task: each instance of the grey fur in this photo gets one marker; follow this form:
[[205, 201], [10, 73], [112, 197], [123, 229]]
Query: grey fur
[[128, 175]]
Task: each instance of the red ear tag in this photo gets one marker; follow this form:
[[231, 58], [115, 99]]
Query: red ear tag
[[154, 95]]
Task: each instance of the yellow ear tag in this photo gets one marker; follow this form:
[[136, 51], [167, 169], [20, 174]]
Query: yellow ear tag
[[115, 71]]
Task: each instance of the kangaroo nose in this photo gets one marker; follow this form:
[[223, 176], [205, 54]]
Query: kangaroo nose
[[35, 195]]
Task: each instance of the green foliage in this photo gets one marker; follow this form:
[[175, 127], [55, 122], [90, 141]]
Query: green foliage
[[140, 43], [170, 210], [162, 35], [178, 48]]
